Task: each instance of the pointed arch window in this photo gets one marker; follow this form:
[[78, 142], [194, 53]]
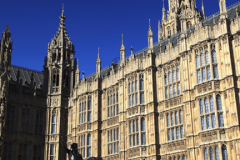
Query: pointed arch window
[[113, 105], [219, 110], [143, 131], [83, 109], [141, 77]]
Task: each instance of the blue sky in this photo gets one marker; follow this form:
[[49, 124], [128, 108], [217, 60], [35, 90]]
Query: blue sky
[[90, 24]]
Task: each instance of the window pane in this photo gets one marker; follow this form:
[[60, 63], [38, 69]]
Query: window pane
[[207, 57], [130, 141], [220, 119], [203, 74], [208, 121], [177, 132], [133, 100], [89, 152], [205, 154], [219, 103], [213, 121], [173, 76], [201, 106], [199, 76], [224, 153], [173, 134], [137, 139], [143, 138], [183, 157], [178, 75], [179, 158], [211, 153], [136, 96], [211, 104], [169, 78], [197, 62], [141, 84], [181, 116], [172, 119], [166, 92], [130, 126], [202, 60], [170, 91], [133, 140], [142, 124], [182, 132], [206, 105], [176, 118], [165, 79], [133, 126], [208, 73], [214, 57], [203, 123], [89, 139], [129, 98], [136, 86], [129, 88], [89, 105], [174, 90], [168, 120], [52, 149], [89, 116], [142, 97], [179, 89], [132, 86], [215, 71], [117, 134], [137, 125], [169, 134], [117, 146], [217, 153]]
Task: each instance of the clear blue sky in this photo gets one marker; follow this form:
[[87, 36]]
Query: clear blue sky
[[90, 24]]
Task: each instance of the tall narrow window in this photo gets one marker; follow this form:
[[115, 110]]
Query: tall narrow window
[[197, 62], [176, 118], [89, 108], [169, 78], [51, 152], [214, 56], [224, 152], [143, 133], [179, 89], [211, 153], [205, 154], [89, 145], [178, 75], [202, 60], [199, 76], [53, 123], [165, 79], [173, 76], [215, 71], [168, 120], [207, 57], [172, 119], [166, 92], [181, 116], [141, 89], [217, 153]]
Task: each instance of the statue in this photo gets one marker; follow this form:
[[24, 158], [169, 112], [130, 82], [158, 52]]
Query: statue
[[72, 154]]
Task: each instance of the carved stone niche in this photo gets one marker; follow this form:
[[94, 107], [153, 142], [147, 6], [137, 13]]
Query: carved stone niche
[[142, 109], [209, 85], [217, 84], [144, 151], [89, 126]]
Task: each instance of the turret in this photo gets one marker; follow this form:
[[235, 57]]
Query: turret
[[150, 38], [159, 31], [163, 12], [223, 8], [203, 10]]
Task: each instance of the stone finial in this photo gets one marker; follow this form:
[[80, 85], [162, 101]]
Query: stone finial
[[131, 50], [83, 74]]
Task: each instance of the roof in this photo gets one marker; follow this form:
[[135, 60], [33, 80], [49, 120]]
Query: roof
[[25, 75], [231, 11]]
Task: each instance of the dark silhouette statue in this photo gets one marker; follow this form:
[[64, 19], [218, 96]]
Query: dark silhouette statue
[[73, 154]]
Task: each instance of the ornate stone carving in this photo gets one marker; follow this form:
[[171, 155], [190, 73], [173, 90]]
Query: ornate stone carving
[[142, 109], [217, 85]]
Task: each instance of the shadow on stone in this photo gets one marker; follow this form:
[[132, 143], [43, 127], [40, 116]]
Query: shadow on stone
[[92, 158]]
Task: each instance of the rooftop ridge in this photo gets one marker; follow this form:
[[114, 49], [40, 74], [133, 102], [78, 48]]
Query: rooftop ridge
[[12, 65]]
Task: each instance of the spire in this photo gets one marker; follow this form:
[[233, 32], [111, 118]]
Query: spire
[[223, 8], [62, 18], [163, 12], [150, 33], [159, 31], [131, 50], [98, 65], [122, 52], [203, 10], [98, 58]]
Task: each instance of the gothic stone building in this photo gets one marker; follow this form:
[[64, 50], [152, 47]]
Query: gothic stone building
[[177, 99]]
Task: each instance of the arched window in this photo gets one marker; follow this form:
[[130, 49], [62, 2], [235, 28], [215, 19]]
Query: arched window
[[165, 79], [169, 78], [181, 116], [206, 105], [197, 62], [141, 89], [202, 60], [219, 103], [168, 120], [224, 152], [178, 75], [170, 158], [174, 158], [53, 123], [205, 154], [143, 133], [211, 153], [89, 145], [217, 153], [179, 157], [173, 76], [172, 119], [207, 58], [183, 157], [176, 118], [201, 106]]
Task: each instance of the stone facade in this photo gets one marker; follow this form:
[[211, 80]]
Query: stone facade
[[177, 99]]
